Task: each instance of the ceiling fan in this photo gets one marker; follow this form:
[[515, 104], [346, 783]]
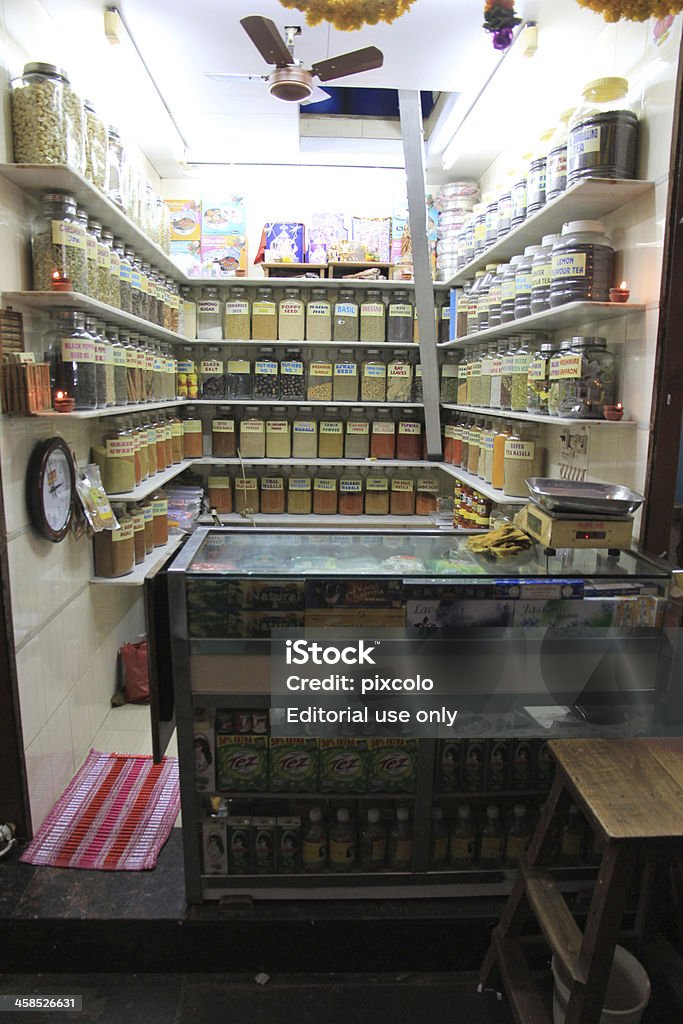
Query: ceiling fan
[[290, 81]]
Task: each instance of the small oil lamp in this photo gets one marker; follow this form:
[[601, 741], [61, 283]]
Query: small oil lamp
[[613, 412], [63, 402], [620, 294], [60, 283]]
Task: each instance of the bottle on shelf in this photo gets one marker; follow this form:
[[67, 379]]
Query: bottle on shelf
[[582, 264], [292, 376], [520, 373], [325, 492], [345, 324], [189, 313], [556, 167], [402, 493], [492, 839], [463, 840], [320, 376], [351, 493], [400, 847], [266, 383], [372, 842], [314, 842], [70, 351], [299, 491], [331, 434], [238, 379], [223, 434], [376, 493], [498, 467], [483, 305], [345, 377], [496, 295], [521, 461], [506, 375], [571, 838], [444, 321], [237, 315], [541, 275], [278, 435], [357, 435], [400, 316], [304, 433], [59, 244], [212, 374], [209, 315], [252, 435], [219, 490], [538, 383], [342, 844], [373, 385], [273, 494], [519, 835], [606, 113], [409, 436], [383, 435], [438, 841], [449, 377]]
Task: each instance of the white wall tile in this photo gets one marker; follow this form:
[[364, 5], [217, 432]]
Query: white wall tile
[[60, 748], [40, 779], [31, 685]]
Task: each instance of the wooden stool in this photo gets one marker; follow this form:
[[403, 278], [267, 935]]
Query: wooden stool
[[631, 793]]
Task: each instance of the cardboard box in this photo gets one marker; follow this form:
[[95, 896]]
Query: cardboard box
[[359, 593], [187, 256], [497, 765], [449, 765], [186, 219], [223, 215], [239, 845], [400, 238], [374, 234], [343, 765], [474, 766], [392, 765], [207, 608], [263, 845], [204, 754], [242, 763], [266, 595], [325, 231], [222, 256], [293, 764], [284, 240], [521, 770], [215, 846], [355, 618], [288, 849]]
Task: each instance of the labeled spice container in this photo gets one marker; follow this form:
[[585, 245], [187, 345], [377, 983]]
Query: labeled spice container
[[504, 213], [188, 325], [479, 211], [138, 516], [138, 300], [219, 491], [160, 518], [291, 316], [345, 377], [474, 376], [402, 496], [71, 354], [488, 355], [237, 315], [587, 375], [443, 321], [357, 435], [115, 549], [376, 495], [115, 457], [266, 375], [223, 434], [168, 440], [114, 184], [100, 350], [120, 371], [209, 315], [149, 526], [474, 447], [506, 374], [372, 317], [399, 378], [556, 172], [449, 378], [318, 316], [292, 378], [246, 496], [141, 449], [557, 365], [491, 219], [462, 379], [211, 375], [193, 440], [273, 501], [304, 434], [418, 390], [238, 379], [400, 314], [519, 199], [351, 493], [187, 381], [59, 244], [319, 387], [125, 276], [536, 176], [521, 459], [345, 325], [299, 492], [498, 470], [383, 436], [538, 379], [603, 133], [408, 437], [48, 125], [426, 492], [507, 290], [252, 443], [176, 439], [114, 269], [324, 494], [488, 436], [150, 427], [330, 435], [520, 372], [523, 282], [473, 302], [582, 264], [541, 275], [278, 437], [373, 383]]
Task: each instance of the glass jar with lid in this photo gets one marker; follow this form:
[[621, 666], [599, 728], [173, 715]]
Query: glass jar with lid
[[462, 378], [224, 434], [556, 172], [490, 200], [408, 437], [132, 369], [109, 387], [71, 355], [115, 186], [520, 373], [176, 439], [541, 274], [351, 493], [264, 316], [376, 494], [209, 315], [522, 306], [103, 263], [146, 283], [488, 436], [587, 379], [443, 320], [300, 492], [318, 316], [474, 447], [154, 304], [426, 493], [115, 458], [188, 308], [469, 237], [330, 435], [252, 442], [449, 377], [357, 435], [479, 211], [176, 308], [536, 175], [246, 493], [238, 378], [372, 316], [212, 374], [582, 264], [497, 373], [490, 274], [521, 460], [273, 496], [474, 376], [266, 375], [187, 381], [345, 326], [506, 375], [193, 439], [345, 377], [461, 248], [138, 516], [237, 314], [603, 133], [557, 361], [473, 302], [324, 493], [519, 197], [142, 447], [319, 386], [373, 384], [402, 494], [399, 378], [504, 212], [507, 291], [120, 371], [292, 377], [400, 313], [59, 244], [219, 490], [115, 549], [304, 433], [538, 383], [90, 250], [489, 352], [114, 268], [418, 390], [139, 304], [125, 274], [291, 316], [383, 436], [100, 352], [278, 435], [48, 125]]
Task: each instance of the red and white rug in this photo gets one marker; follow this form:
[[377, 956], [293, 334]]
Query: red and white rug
[[115, 815]]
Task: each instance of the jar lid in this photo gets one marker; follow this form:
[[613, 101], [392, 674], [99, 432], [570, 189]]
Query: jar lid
[[402, 814], [549, 240], [595, 227], [533, 250], [514, 260], [343, 814], [602, 89], [57, 197], [491, 266], [36, 67], [492, 811], [583, 341]]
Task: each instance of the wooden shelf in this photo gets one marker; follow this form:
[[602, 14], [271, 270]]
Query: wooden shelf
[[153, 484], [137, 577], [270, 270], [592, 198], [530, 417], [482, 487], [571, 314], [75, 300], [38, 178]]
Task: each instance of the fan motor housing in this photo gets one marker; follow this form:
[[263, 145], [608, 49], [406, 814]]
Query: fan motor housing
[[291, 84]]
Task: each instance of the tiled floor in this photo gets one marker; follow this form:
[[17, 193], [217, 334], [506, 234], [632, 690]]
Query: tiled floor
[[127, 730]]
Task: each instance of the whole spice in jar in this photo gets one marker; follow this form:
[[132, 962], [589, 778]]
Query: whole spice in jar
[[318, 316], [409, 437], [538, 382], [319, 381], [292, 380], [266, 376], [211, 375], [59, 244], [324, 495], [252, 443], [115, 458], [402, 501], [138, 517], [246, 495], [418, 390], [373, 385], [345, 326], [331, 436], [299, 493], [357, 437], [264, 316], [238, 379], [427, 492], [273, 493], [278, 438], [168, 440], [587, 379], [304, 434], [115, 549], [71, 354], [114, 269], [520, 374], [400, 313], [223, 435], [193, 440], [351, 494], [291, 316], [506, 375], [383, 436], [449, 378], [48, 125], [603, 133], [345, 378], [149, 526], [150, 427], [376, 496], [399, 378], [237, 317], [372, 317], [219, 490]]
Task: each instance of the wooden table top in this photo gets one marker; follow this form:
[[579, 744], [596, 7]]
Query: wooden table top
[[631, 789]]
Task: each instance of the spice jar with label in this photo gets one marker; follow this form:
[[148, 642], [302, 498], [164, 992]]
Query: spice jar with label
[[448, 441], [319, 387], [399, 378], [160, 518], [498, 469], [143, 447], [483, 296], [345, 326], [273, 501], [383, 436], [291, 316], [189, 308], [490, 202], [479, 211], [400, 313], [603, 133], [474, 447], [299, 492], [357, 435], [71, 355], [474, 377], [330, 435], [304, 434], [193, 441], [114, 269], [506, 375], [521, 461], [504, 213], [557, 361], [497, 374], [489, 352], [59, 244], [115, 457], [209, 315], [536, 175], [238, 383], [523, 282], [402, 495], [91, 253], [266, 375], [488, 436], [345, 377], [376, 495], [519, 198], [520, 372], [115, 549], [418, 389], [264, 316], [541, 275], [426, 492], [176, 425], [318, 316], [462, 379], [538, 383], [408, 437], [292, 379], [351, 493], [48, 122], [443, 332], [278, 436], [223, 434], [211, 375], [556, 172], [507, 290], [372, 317], [219, 490], [587, 379], [149, 426], [237, 315], [100, 349], [373, 384], [582, 264], [252, 443], [473, 302], [138, 516], [246, 494], [148, 517], [324, 494], [449, 377]]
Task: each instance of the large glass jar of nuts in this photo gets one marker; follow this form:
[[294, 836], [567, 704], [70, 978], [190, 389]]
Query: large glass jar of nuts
[[292, 379], [48, 124], [59, 244]]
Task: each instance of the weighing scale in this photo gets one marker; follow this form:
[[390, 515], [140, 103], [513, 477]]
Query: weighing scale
[[567, 530]]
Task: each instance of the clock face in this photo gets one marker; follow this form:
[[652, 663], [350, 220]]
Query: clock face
[[51, 486]]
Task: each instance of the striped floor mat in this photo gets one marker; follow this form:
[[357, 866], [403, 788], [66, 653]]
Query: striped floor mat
[[115, 815]]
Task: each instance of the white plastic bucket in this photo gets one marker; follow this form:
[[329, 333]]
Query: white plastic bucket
[[628, 991]]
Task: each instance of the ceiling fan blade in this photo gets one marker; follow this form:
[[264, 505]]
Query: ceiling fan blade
[[317, 96], [267, 40], [366, 59]]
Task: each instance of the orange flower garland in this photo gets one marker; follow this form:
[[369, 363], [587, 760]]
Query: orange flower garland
[[633, 10], [349, 15]]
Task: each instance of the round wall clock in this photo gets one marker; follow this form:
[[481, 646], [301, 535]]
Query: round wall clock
[[51, 487]]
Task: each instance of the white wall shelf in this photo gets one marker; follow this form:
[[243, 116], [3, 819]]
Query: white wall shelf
[[253, 342], [570, 315], [529, 417], [589, 199], [112, 410], [366, 522], [297, 402], [152, 562], [483, 488], [209, 460], [151, 485], [334, 283]]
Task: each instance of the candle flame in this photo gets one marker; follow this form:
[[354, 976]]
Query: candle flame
[[60, 395], [624, 286], [56, 275]]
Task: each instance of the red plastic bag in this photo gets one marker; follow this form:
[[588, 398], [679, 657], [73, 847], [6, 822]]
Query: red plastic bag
[[135, 671]]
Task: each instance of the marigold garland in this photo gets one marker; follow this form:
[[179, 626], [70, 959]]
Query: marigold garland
[[633, 10], [349, 15]]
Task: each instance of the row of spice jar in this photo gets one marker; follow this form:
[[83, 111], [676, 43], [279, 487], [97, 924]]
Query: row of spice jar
[[136, 450], [502, 456], [576, 266], [343, 378], [471, 510], [141, 529], [305, 491], [574, 378], [72, 251]]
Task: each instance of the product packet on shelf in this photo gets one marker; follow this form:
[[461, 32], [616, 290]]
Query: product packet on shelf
[[325, 231], [207, 608], [223, 256], [267, 595], [449, 765], [359, 593], [94, 500], [293, 764], [263, 842], [343, 765], [497, 765], [521, 765], [374, 233], [438, 618], [215, 846], [242, 763], [204, 751], [288, 844], [259, 625], [223, 215], [187, 257], [392, 765], [186, 219], [239, 844]]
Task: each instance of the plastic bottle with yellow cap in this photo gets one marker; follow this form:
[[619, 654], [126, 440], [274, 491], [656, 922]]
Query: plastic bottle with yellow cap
[[603, 133]]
